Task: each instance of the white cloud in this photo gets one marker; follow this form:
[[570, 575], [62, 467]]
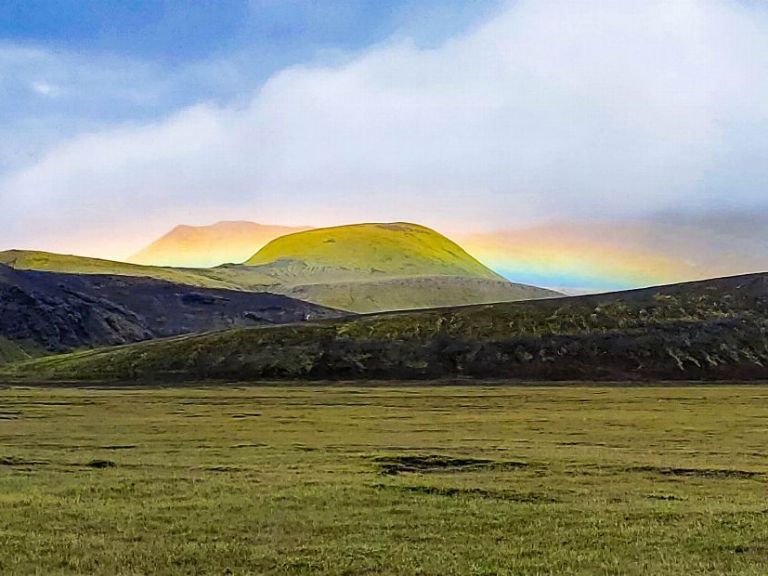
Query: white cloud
[[45, 89], [552, 109]]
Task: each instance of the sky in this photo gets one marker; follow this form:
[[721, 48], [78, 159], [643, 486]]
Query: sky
[[122, 119]]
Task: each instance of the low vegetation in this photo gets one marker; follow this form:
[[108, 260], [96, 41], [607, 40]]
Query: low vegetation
[[715, 329], [414, 293], [49, 262], [364, 251], [13, 351], [436, 481]]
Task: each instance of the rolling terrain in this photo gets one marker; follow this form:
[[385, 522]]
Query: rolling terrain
[[208, 246], [65, 263], [414, 293], [378, 267], [358, 268], [230, 277], [45, 312], [716, 329]]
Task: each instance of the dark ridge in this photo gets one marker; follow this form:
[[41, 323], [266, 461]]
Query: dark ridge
[[49, 312], [714, 330]]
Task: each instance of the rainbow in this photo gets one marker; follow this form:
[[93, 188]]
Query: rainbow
[[574, 263]]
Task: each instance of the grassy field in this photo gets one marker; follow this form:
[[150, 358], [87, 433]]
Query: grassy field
[[412, 480]]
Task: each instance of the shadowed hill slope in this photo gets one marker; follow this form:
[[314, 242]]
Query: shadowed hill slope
[[44, 312], [716, 329]]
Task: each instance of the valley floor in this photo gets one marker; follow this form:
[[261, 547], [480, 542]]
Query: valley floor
[[427, 480]]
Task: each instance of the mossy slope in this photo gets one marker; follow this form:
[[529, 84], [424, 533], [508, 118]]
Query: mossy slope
[[51, 262], [715, 329], [414, 293], [388, 250]]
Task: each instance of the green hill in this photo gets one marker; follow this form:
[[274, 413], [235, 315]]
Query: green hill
[[50, 262], [414, 293], [335, 287], [377, 267], [358, 268], [373, 250], [716, 330], [11, 351]]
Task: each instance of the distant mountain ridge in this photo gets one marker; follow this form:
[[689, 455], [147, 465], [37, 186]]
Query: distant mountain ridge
[[577, 256], [206, 246], [358, 268]]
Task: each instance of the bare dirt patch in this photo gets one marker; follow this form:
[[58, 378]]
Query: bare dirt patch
[[431, 463], [697, 472]]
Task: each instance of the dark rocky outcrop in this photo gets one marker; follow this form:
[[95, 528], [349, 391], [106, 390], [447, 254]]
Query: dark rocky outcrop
[[52, 312]]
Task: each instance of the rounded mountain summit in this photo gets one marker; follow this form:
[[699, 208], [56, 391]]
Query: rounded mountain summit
[[379, 267], [398, 249], [371, 267]]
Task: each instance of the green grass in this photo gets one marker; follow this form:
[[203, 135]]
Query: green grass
[[13, 351], [414, 293], [50, 262], [433, 481], [708, 330], [390, 250]]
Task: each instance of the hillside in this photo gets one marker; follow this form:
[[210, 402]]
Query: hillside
[[44, 312], [365, 251], [207, 246], [289, 278], [378, 267], [414, 293], [715, 329], [358, 268], [50, 262]]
